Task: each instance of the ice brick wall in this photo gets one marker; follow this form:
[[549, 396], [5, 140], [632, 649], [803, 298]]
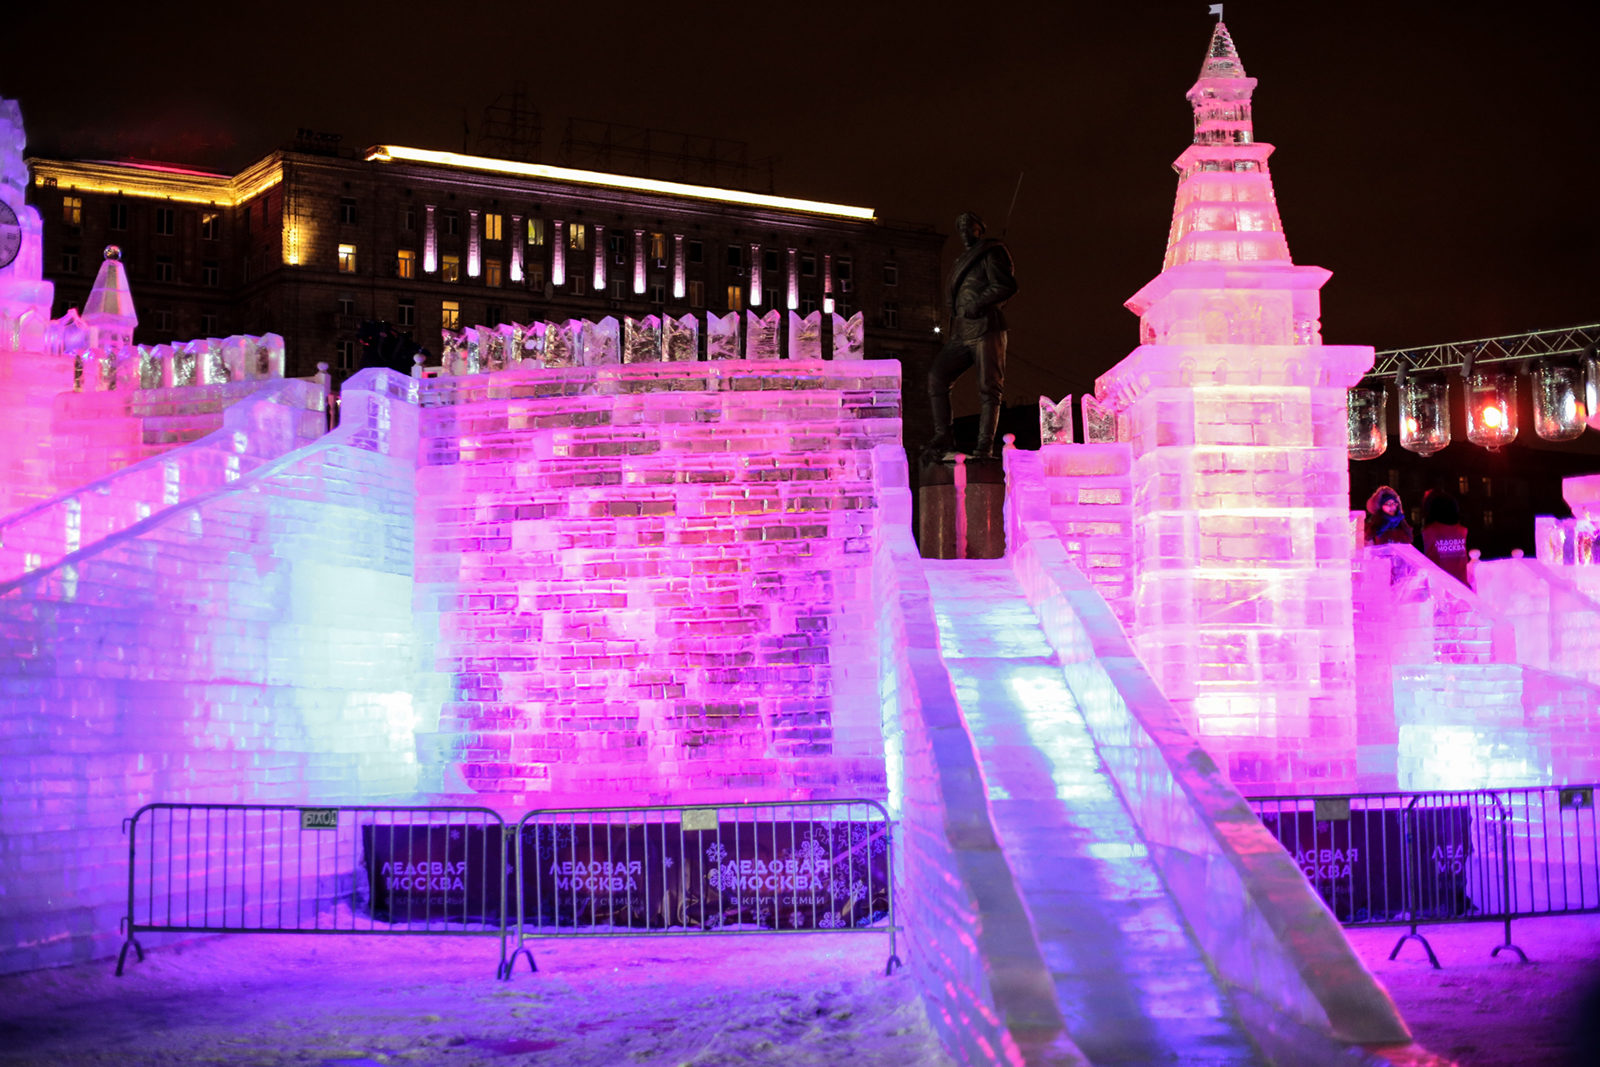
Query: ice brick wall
[[1557, 622], [1085, 493], [253, 643], [652, 582]]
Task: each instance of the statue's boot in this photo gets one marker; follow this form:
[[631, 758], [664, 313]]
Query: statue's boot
[[943, 441], [988, 426]]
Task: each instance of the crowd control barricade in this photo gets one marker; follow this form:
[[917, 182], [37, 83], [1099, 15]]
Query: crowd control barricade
[[293, 869], [1489, 855], [675, 870]]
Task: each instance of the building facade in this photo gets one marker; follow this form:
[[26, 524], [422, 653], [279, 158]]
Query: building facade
[[310, 245]]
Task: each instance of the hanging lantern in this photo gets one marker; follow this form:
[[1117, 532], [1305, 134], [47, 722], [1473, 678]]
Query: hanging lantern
[[1424, 412], [1591, 392], [1560, 408], [1491, 408], [1365, 422]]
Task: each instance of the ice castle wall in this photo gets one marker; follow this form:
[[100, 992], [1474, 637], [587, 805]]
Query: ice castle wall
[[647, 582]]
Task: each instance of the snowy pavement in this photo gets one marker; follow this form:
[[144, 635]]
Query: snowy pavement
[[816, 1000]]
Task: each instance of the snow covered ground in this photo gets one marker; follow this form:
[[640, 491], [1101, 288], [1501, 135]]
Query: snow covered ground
[[350, 1001], [810, 1001], [1497, 1012]]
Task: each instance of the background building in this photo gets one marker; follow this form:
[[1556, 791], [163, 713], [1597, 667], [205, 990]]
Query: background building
[[311, 242]]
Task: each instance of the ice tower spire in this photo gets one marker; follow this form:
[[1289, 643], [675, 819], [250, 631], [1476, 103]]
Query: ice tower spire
[[1225, 210], [1234, 411]]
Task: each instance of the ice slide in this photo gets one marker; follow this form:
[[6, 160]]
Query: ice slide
[[1132, 984]]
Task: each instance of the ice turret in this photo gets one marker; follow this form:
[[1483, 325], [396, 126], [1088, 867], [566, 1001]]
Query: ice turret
[[109, 309], [1225, 211], [1234, 412]]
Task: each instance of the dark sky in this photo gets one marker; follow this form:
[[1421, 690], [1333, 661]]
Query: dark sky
[[1440, 159]]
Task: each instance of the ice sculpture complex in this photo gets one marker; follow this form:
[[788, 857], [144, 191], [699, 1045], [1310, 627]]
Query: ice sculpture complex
[[1234, 411]]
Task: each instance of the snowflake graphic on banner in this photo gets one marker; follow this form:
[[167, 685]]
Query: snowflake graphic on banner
[[715, 852]]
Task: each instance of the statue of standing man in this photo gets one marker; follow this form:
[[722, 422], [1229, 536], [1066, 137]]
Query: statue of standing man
[[980, 283]]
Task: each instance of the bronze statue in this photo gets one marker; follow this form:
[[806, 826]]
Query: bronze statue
[[980, 282]]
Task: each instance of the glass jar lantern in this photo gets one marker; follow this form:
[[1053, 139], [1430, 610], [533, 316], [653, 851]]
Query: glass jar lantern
[[1366, 423], [1424, 414], [1560, 408], [1491, 409]]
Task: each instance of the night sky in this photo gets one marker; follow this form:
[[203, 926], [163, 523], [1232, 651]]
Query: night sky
[[1441, 160]]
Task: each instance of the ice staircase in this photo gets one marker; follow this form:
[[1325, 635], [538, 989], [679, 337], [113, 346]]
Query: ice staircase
[[1132, 983]]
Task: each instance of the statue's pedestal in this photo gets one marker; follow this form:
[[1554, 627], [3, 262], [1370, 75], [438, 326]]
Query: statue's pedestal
[[962, 509]]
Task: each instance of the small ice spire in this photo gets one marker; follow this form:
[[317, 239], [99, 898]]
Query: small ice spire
[[1222, 58], [110, 303]]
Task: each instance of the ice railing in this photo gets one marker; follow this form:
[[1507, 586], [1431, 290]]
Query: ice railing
[[280, 418], [1465, 629], [652, 339], [203, 361]]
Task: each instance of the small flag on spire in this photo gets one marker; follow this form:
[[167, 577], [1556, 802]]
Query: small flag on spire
[[1216, 9]]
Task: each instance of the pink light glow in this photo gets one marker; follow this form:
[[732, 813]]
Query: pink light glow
[[677, 267], [599, 258], [755, 275], [638, 262], [474, 244], [430, 242], [516, 248], [558, 253]]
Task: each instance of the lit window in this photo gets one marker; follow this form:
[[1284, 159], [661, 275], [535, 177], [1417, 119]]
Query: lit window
[[347, 259], [405, 263], [493, 273], [119, 216], [891, 274], [166, 221], [735, 298], [69, 261], [164, 270], [72, 210], [347, 211], [210, 224], [891, 315], [536, 231], [406, 312], [450, 314], [697, 294], [451, 269], [578, 236], [210, 274], [1488, 488], [1488, 518], [1463, 484], [658, 247], [492, 227]]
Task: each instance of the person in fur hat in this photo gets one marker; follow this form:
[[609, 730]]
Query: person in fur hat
[[1386, 519]]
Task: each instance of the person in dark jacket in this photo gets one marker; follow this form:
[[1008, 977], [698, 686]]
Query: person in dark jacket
[[1444, 539], [1386, 519], [981, 280]]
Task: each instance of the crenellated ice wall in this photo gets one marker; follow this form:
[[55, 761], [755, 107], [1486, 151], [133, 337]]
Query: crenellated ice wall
[[652, 582]]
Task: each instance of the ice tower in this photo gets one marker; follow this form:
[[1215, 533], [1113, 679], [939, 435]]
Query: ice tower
[[1235, 413]]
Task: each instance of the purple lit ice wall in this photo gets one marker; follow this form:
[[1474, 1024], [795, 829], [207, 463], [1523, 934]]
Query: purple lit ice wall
[[1234, 411], [652, 582]]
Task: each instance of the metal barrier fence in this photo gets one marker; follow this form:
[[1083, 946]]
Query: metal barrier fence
[[678, 870], [1489, 855], [288, 869]]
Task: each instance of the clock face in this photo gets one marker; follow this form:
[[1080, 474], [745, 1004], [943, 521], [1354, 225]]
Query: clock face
[[10, 234]]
